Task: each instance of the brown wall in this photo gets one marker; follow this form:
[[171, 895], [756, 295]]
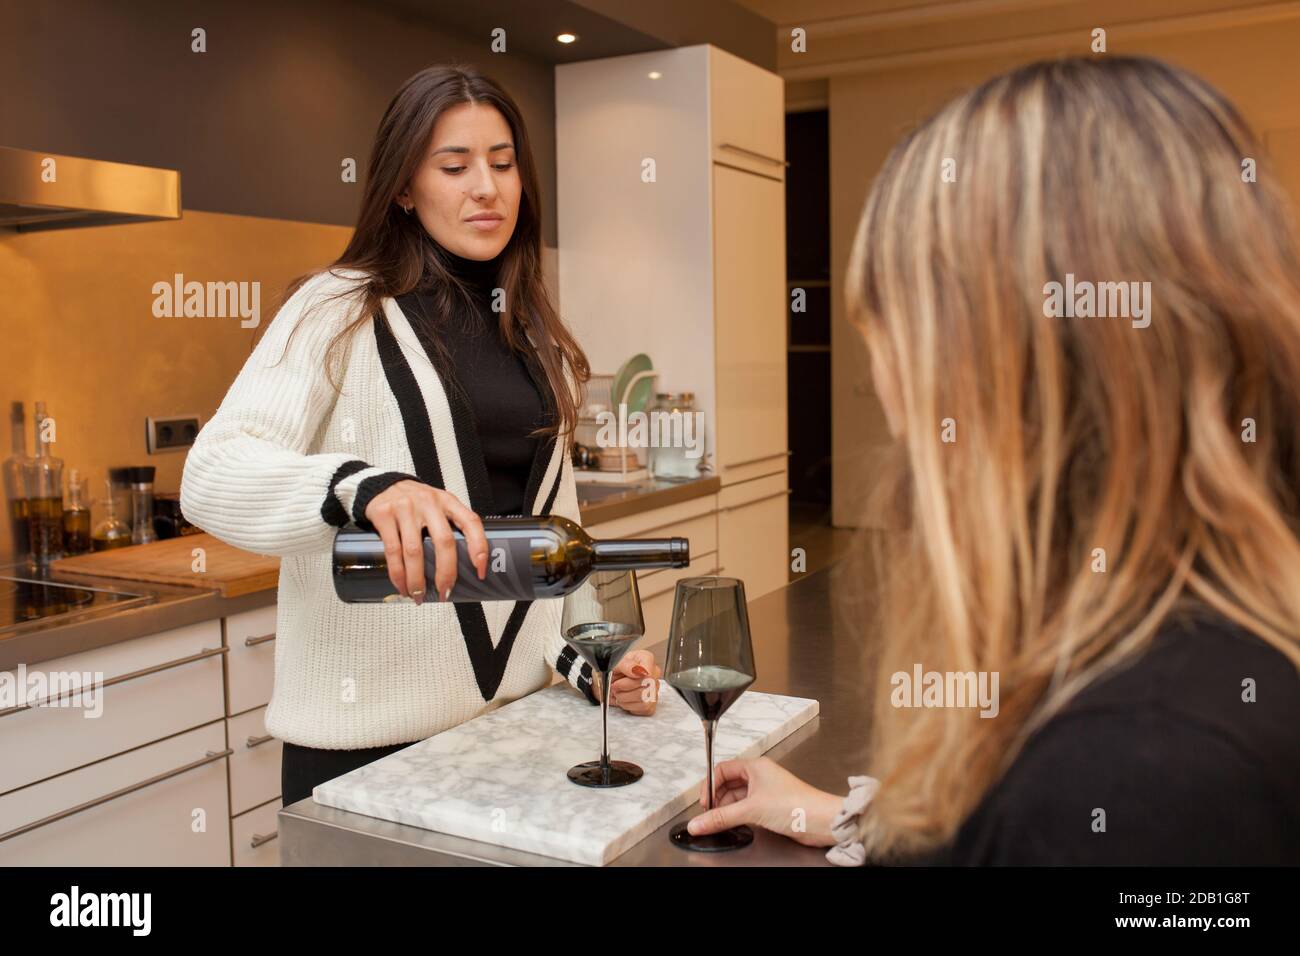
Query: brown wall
[[80, 334], [260, 123], [257, 127], [1255, 65]]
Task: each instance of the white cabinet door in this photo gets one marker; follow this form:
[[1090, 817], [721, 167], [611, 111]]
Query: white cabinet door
[[746, 114], [251, 662], [256, 838], [750, 302], [144, 689], [754, 543], [255, 763], [160, 805]]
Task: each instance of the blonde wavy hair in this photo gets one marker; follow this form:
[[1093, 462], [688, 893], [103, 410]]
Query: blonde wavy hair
[[1072, 434]]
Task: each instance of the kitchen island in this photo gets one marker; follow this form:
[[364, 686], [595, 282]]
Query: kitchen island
[[808, 642]]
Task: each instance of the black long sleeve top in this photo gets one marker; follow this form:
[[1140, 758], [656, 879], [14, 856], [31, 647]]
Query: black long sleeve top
[[502, 396]]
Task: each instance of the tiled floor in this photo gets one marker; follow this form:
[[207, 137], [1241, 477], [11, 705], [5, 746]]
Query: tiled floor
[[811, 530]]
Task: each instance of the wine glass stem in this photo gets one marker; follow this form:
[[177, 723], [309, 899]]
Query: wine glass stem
[[604, 722], [709, 726]]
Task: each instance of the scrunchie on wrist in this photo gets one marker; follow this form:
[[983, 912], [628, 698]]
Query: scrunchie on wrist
[[849, 851]]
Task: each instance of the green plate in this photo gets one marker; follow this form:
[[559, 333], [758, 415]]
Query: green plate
[[639, 398]]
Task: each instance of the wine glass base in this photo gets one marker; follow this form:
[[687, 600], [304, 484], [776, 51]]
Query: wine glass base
[[619, 773], [732, 839]]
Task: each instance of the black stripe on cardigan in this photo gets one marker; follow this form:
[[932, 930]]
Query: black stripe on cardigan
[[367, 490], [489, 663], [331, 509], [410, 402]]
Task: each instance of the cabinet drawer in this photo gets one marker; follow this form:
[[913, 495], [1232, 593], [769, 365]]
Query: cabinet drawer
[[656, 522], [742, 493], [161, 805], [255, 763], [754, 543], [151, 687], [256, 841], [251, 664]]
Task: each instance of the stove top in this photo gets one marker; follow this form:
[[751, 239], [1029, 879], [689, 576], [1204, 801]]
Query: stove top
[[28, 603]]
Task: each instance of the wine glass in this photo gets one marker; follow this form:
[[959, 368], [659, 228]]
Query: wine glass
[[601, 621], [710, 662]]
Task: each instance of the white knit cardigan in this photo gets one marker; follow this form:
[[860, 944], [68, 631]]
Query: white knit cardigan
[[287, 459]]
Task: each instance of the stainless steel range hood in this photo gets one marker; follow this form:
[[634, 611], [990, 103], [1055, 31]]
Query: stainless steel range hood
[[46, 191]]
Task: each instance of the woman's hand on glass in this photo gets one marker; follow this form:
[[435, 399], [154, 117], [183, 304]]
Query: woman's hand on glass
[[763, 793], [634, 683], [401, 513]]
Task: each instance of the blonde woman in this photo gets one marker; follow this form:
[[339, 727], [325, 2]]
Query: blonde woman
[[1101, 510]]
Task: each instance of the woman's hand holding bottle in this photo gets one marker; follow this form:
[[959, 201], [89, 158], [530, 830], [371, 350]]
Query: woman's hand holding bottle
[[401, 513]]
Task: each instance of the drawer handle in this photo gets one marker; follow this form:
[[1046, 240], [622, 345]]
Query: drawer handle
[[254, 641], [740, 464], [211, 757], [749, 152], [258, 741], [746, 504], [121, 678], [260, 838]]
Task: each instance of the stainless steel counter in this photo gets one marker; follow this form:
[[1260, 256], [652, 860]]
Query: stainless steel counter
[[808, 642], [166, 607], [606, 502]]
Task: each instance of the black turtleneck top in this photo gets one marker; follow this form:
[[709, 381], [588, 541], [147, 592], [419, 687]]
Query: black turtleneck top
[[502, 396]]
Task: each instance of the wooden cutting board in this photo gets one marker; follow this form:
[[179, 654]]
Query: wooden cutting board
[[229, 570]]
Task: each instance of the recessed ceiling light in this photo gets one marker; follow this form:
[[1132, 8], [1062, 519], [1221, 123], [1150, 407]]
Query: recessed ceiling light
[[654, 74], [566, 37]]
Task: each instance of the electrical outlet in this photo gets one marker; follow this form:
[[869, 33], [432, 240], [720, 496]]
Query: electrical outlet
[[170, 434]]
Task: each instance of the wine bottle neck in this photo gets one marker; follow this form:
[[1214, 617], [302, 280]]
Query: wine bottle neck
[[627, 554]]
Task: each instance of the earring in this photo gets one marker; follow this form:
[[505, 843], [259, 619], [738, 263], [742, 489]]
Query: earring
[[409, 208]]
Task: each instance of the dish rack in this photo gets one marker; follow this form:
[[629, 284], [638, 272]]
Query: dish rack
[[631, 467]]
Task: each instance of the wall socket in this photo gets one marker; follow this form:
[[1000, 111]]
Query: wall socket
[[170, 434]]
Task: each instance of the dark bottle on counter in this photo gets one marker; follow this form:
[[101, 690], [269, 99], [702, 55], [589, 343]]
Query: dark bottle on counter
[[528, 558], [15, 481], [76, 518]]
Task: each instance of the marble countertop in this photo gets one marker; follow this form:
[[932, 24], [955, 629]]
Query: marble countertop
[[501, 778], [809, 640]]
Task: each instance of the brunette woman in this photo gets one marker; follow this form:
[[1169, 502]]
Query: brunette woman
[[423, 380]]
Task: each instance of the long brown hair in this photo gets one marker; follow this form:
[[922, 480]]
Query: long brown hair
[[397, 254], [1168, 451]]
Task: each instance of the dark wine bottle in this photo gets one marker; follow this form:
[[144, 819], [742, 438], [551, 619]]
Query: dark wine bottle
[[528, 558]]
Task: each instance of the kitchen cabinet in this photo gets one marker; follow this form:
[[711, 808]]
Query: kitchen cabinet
[[163, 804], [255, 836], [749, 210], [176, 764], [254, 761], [671, 225], [250, 637], [151, 687]]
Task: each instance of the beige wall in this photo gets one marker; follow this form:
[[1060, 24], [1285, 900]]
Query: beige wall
[[80, 334], [1256, 65], [78, 331]]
